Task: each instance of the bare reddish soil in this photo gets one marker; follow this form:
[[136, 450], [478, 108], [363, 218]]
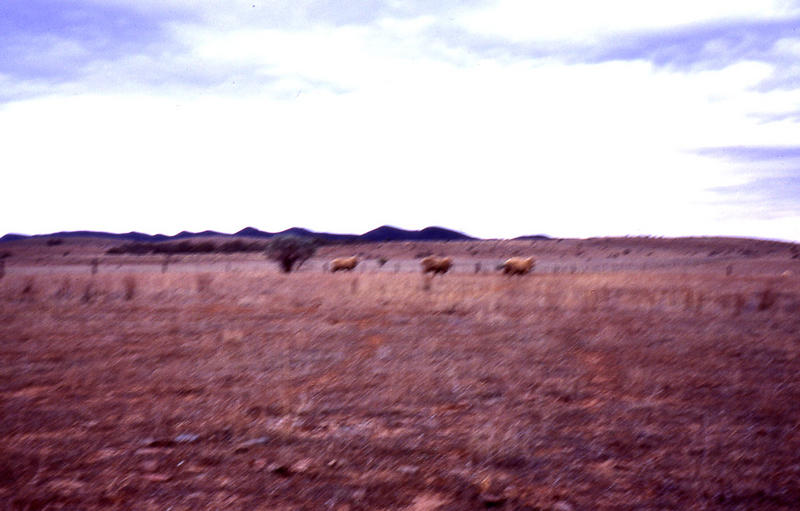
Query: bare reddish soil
[[222, 384]]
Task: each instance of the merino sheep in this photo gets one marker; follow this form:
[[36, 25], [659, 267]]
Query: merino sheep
[[436, 265], [518, 265], [344, 264]]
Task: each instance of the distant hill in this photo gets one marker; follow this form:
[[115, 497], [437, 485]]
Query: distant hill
[[188, 235], [389, 233], [383, 233], [533, 237], [252, 232], [127, 236]]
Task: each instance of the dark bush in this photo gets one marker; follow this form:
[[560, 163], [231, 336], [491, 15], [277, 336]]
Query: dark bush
[[131, 248], [204, 247], [767, 299], [187, 247], [290, 251], [230, 247], [52, 242]]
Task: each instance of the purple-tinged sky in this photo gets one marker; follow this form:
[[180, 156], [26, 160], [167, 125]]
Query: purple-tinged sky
[[497, 118]]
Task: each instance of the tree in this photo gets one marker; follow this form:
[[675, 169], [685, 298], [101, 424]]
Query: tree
[[290, 251]]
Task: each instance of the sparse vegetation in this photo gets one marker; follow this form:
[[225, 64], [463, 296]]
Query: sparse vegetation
[[88, 293], [662, 389], [129, 286], [29, 288], [767, 299], [165, 263], [188, 247], [204, 281], [64, 290]]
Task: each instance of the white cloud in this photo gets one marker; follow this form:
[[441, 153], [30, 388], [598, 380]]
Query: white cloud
[[585, 21]]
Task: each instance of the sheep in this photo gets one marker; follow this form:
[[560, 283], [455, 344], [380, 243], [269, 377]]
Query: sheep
[[518, 265], [344, 263], [436, 265]]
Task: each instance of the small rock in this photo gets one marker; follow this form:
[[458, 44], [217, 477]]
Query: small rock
[[301, 466], [493, 491], [492, 499], [157, 478], [159, 442], [247, 444], [408, 469], [281, 469], [149, 451], [149, 465]]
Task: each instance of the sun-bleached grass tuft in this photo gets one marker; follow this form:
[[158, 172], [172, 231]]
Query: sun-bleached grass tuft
[[129, 286]]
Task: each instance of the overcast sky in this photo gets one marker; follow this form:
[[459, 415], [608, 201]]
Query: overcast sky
[[572, 118]]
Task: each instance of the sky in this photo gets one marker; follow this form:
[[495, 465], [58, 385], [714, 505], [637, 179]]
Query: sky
[[501, 118]]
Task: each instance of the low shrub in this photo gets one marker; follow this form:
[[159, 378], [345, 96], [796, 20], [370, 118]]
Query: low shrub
[[290, 251]]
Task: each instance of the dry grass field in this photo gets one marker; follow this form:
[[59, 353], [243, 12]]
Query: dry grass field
[[666, 377]]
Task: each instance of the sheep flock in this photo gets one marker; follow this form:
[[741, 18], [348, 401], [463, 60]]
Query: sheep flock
[[441, 265]]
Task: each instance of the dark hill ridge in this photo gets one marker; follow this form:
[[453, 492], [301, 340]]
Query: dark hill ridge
[[127, 236], [383, 233], [533, 237], [389, 233]]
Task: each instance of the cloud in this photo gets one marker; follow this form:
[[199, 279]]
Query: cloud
[[685, 36], [304, 14], [51, 46], [114, 45], [753, 153], [765, 197], [769, 178], [704, 46], [789, 115], [709, 45], [57, 47], [53, 40]]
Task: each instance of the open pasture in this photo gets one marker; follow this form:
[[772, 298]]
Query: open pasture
[[207, 388]]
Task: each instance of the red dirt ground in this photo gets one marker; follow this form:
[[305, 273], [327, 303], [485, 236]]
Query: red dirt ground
[[225, 385]]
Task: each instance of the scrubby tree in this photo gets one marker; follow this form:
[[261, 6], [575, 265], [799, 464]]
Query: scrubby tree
[[290, 251]]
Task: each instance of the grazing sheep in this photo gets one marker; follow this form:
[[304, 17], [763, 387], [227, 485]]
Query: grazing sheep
[[436, 265], [518, 265], [344, 264]]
